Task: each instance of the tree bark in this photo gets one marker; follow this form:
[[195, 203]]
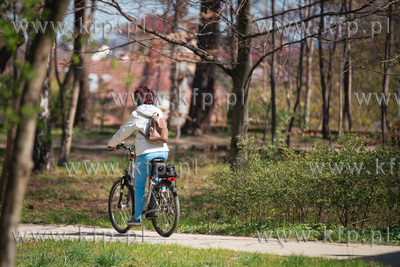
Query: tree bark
[[21, 163], [266, 123], [15, 101], [309, 56], [7, 162], [341, 70], [347, 118], [5, 55], [199, 121], [43, 156], [347, 77], [386, 69], [272, 79], [124, 111], [241, 76], [180, 73], [200, 115], [268, 104], [325, 115], [83, 116], [299, 83], [332, 49], [79, 48], [62, 86], [66, 144], [174, 92]]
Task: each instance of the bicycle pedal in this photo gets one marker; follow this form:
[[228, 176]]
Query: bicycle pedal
[[152, 217]]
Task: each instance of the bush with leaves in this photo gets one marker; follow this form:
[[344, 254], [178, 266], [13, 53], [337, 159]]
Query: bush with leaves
[[346, 188]]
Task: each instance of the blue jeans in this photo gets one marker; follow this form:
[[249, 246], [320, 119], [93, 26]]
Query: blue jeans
[[142, 171]]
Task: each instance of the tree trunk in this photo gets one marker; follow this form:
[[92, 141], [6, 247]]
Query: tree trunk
[[341, 70], [332, 49], [386, 69], [325, 115], [15, 101], [289, 94], [180, 73], [5, 52], [199, 121], [347, 118], [309, 56], [241, 77], [124, 112], [272, 79], [200, 115], [7, 162], [62, 86], [174, 93], [83, 113], [347, 75], [66, 144], [299, 83], [268, 104], [21, 163], [266, 123], [79, 48], [83, 116], [5, 55], [43, 156]]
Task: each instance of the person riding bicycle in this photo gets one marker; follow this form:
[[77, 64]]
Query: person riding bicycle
[[138, 122]]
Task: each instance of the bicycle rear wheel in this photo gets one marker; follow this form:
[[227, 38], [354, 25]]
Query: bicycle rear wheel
[[167, 219], [121, 206]]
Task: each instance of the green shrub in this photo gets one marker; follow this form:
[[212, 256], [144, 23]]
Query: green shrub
[[287, 185]]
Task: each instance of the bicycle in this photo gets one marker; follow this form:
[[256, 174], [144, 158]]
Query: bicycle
[[161, 202]]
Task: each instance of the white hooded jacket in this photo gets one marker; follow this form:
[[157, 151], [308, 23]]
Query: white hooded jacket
[[139, 120]]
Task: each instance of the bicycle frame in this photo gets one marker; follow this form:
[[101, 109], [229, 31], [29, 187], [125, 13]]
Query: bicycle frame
[[150, 194], [151, 184]]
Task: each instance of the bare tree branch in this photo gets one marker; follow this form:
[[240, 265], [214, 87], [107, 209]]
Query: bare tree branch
[[376, 71], [286, 11], [196, 50], [325, 14]]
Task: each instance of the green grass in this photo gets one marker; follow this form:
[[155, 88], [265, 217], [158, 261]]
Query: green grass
[[61, 198], [75, 253]]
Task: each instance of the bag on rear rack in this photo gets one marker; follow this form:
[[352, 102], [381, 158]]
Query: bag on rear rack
[[164, 171]]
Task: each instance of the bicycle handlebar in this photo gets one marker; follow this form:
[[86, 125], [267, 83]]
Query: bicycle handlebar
[[123, 146]]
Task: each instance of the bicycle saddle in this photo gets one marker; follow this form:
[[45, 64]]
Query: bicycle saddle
[[153, 161]]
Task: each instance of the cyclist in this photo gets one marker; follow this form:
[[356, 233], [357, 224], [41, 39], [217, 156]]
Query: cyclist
[[137, 122]]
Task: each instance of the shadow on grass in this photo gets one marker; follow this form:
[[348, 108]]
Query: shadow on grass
[[391, 259]]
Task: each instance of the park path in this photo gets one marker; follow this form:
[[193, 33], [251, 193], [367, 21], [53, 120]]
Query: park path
[[385, 254]]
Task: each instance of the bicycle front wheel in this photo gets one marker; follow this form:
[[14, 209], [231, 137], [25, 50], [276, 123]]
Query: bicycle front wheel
[[121, 206], [168, 217]]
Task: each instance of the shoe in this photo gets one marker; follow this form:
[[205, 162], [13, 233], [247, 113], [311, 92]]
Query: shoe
[[135, 221]]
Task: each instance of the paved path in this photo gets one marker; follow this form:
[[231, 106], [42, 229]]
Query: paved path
[[385, 254]]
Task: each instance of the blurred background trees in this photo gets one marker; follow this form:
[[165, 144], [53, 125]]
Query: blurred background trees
[[296, 67], [275, 67]]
